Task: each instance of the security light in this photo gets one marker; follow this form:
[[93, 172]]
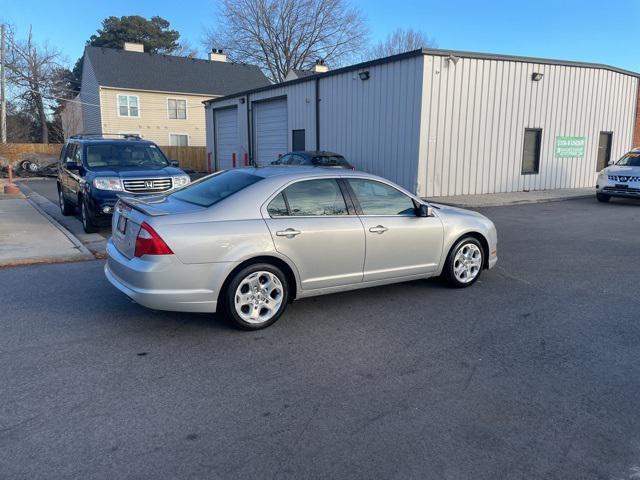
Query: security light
[[364, 75], [537, 76]]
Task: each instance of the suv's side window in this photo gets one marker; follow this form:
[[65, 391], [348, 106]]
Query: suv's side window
[[70, 152], [310, 198], [377, 198]]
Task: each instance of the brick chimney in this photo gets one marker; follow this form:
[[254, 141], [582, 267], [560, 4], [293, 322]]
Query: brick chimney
[[217, 55], [134, 47]]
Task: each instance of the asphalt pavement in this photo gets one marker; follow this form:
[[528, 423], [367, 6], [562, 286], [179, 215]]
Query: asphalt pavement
[[531, 373]]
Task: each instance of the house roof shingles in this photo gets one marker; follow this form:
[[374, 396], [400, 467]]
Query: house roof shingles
[[147, 71]]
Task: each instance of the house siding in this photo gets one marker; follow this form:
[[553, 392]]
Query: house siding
[[90, 98], [475, 111], [153, 122]]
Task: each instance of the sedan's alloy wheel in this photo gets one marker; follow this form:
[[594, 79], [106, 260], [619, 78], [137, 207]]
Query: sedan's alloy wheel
[[467, 262], [258, 297]]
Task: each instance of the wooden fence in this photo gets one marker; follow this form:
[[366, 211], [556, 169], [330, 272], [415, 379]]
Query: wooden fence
[[188, 157], [18, 151]]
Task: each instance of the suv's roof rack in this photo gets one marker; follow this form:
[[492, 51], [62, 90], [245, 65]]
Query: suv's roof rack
[[81, 136]]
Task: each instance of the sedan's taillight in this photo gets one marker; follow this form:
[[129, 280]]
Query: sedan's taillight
[[148, 242]]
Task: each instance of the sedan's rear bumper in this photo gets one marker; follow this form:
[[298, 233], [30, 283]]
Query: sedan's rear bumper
[[165, 283]]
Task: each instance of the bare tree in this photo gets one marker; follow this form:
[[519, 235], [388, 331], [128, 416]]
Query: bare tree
[[400, 41], [34, 72], [280, 35]]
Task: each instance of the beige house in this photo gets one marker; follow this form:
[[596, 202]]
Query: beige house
[[158, 97]]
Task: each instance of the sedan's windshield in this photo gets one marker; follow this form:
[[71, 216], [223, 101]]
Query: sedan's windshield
[[109, 155], [216, 187], [630, 160]]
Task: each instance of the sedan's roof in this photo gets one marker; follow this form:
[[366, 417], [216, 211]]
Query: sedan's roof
[[304, 171]]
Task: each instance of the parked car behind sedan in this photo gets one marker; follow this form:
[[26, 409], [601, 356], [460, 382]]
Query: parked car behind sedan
[[248, 241], [621, 178], [313, 159]]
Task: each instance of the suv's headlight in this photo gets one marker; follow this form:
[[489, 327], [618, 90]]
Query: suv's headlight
[[181, 181], [108, 183]]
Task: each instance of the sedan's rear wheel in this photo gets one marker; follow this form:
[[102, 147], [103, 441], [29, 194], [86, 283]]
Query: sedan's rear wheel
[[256, 296], [464, 263]]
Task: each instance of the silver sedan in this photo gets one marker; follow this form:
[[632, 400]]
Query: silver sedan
[[249, 241]]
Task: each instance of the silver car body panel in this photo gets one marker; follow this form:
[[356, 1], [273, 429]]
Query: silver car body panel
[[330, 254]]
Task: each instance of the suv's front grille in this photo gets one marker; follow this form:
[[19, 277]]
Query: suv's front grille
[[147, 185], [623, 178]]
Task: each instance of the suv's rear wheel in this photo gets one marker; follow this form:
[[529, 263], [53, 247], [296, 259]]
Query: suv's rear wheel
[[85, 217], [65, 207], [256, 296]]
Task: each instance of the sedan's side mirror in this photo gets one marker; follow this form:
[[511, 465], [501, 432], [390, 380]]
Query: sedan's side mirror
[[174, 163], [72, 166], [425, 210]]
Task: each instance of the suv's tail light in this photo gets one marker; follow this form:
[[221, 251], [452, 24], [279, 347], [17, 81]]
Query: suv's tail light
[[148, 242]]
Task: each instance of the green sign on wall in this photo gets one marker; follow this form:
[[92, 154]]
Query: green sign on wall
[[570, 147]]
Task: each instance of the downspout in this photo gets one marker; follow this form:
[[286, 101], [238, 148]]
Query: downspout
[[249, 136], [317, 114]]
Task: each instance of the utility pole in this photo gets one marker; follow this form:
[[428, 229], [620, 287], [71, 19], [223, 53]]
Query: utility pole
[[3, 90]]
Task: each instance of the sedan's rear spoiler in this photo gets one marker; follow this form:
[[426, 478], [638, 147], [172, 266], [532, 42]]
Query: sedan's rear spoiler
[[145, 207]]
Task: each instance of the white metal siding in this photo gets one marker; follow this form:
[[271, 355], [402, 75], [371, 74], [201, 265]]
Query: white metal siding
[[375, 123], [270, 130], [226, 138], [474, 114]]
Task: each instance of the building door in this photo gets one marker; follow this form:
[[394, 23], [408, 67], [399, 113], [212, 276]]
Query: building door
[[297, 141], [226, 138], [604, 150], [270, 130]]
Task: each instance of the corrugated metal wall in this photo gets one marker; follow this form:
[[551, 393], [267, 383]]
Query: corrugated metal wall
[[375, 123], [474, 114]]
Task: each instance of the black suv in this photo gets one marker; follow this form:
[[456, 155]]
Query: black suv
[[93, 171]]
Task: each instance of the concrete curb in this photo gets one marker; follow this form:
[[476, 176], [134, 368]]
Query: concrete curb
[[93, 242], [41, 204], [507, 203]]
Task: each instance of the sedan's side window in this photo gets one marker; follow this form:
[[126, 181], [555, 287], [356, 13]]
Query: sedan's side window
[[315, 197], [278, 207], [377, 198]]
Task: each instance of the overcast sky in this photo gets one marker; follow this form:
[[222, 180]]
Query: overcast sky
[[570, 30]]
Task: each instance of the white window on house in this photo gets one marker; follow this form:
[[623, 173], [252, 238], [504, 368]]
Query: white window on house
[[178, 140], [177, 108], [128, 106]]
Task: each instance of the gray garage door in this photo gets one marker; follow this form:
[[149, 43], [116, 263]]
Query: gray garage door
[[226, 137], [270, 130]]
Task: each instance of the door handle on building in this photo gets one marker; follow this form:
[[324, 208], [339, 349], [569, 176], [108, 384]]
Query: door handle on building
[[289, 233], [379, 229]]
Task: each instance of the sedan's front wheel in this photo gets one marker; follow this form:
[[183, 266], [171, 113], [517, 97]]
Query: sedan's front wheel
[[256, 296], [464, 263]]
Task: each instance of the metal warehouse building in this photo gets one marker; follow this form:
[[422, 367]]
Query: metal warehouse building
[[441, 122]]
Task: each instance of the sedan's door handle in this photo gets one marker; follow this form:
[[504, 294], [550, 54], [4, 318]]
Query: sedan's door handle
[[289, 233], [380, 229]]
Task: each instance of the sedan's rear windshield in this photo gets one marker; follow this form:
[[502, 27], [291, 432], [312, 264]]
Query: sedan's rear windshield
[[630, 160], [215, 188], [109, 155], [330, 161]]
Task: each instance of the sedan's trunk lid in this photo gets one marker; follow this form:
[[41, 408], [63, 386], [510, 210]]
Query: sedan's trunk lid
[[131, 212]]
